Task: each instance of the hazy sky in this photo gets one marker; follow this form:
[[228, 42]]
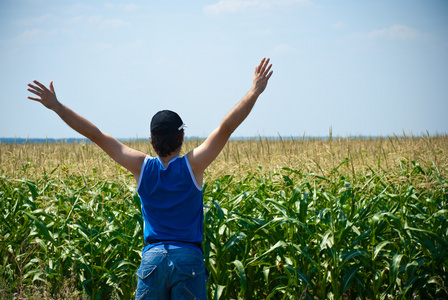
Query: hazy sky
[[360, 67]]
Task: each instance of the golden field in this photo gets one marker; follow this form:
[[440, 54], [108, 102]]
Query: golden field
[[318, 156]]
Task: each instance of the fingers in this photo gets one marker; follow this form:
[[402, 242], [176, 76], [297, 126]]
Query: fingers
[[267, 71], [35, 99], [269, 75], [40, 85], [264, 67], [34, 88], [35, 92], [260, 66], [39, 89]]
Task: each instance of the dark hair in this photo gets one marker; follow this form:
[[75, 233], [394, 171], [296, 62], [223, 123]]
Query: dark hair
[[165, 144]]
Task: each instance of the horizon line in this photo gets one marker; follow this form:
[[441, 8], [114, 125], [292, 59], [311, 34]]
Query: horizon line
[[20, 140]]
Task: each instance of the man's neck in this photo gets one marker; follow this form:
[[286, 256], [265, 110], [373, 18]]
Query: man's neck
[[166, 159]]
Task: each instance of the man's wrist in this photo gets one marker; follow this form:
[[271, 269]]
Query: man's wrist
[[57, 108], [254, 92]]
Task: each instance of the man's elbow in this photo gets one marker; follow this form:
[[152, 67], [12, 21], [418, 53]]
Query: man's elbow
[[225, 130], [96, 136]]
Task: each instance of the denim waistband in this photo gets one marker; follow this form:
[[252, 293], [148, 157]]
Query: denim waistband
[[197, 245], [166, 247]]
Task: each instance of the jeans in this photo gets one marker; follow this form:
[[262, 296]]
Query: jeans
[[171, 274]]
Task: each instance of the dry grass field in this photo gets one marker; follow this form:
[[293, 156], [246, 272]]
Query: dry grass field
[[319, 156]]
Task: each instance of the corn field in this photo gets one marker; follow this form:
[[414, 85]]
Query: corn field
[[340, 218]]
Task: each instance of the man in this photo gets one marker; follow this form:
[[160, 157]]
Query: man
[[170, 189]]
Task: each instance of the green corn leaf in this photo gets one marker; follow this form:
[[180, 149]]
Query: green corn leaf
[[241, 274], [327, 240], [394, 268], [235, 240], [379, 247], [348, 277], [349, 255], [279, 244], [43, 229], [218, 291], [306, 281]]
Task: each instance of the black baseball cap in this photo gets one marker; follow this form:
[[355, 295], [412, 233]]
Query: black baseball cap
[[166, 122]]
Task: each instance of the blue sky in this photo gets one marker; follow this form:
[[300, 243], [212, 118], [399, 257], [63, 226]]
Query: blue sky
[[359, 67]]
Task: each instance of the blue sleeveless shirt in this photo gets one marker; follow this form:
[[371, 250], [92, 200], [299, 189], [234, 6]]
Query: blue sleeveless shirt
[[172, 203]]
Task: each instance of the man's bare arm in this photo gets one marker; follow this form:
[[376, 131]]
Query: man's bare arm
[[129, 158], [201, 157]]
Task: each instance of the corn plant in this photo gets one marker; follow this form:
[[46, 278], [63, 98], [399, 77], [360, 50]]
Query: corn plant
[[52, 230], [290, 235]]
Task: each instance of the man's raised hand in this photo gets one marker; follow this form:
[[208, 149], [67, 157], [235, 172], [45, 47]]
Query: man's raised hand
[[261, 76], [45, 96]]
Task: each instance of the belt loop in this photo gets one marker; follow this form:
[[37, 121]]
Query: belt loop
[[166, 246]]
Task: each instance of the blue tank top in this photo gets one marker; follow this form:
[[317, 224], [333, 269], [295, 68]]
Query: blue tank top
[[172, 203]]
